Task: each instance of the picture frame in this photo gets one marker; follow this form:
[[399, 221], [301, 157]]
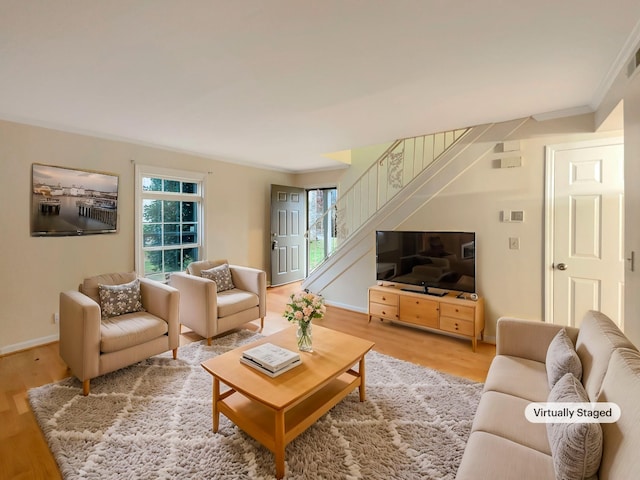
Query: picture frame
[[69, 201]]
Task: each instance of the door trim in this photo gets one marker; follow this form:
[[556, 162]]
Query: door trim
[[549, 186]]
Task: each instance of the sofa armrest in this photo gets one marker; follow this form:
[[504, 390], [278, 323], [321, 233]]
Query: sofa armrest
[[527, 338], [163, 301], [80, 334], [251, 280], [198, 298]]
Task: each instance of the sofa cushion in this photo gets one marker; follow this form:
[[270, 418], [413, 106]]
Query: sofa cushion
[[90, 285], [221, 275], [132, 329], [621, 385], [562, 358], [491, 457], [234, 301], [597, 339], [518, 377], [576, 448], [195, 268], [120, 299], [503, 415]]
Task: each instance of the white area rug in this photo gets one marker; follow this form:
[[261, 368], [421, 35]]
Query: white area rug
[[153, 421]]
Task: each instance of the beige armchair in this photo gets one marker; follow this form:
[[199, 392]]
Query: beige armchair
[[92, 345], [210, 312]]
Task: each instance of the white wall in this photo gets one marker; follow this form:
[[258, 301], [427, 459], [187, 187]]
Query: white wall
[[33, 270], [510, 280], [361, 160], [350, 289], [320, 179]]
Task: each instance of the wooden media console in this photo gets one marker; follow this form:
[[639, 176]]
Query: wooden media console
[[449, 313]]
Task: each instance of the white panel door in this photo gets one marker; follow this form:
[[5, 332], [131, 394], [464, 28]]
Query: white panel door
[[288, 227], [588, 255]]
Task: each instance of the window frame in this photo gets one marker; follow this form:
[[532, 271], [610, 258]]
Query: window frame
[[144, 171]]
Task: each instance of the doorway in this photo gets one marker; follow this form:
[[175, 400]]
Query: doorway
[[322, 232], [584, 259], [288, 226]]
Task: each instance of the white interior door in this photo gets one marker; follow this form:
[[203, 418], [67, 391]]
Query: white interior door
[[288, 242], [586, 255]]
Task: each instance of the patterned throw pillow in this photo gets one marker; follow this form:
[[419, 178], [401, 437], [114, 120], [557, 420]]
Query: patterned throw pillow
[[120, 299], [562, 358], [221, 275], [576, 448]]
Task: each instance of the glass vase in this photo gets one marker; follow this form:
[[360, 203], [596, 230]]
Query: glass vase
[[303, 333]]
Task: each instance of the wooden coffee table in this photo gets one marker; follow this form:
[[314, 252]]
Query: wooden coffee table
[[274, 411]]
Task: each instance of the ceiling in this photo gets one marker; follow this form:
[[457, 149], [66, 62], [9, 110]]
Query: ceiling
[[279, 83]]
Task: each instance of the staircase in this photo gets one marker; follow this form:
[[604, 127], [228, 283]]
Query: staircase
[[408, 174], [401, 162]]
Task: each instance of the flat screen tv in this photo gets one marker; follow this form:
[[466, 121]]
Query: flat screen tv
[[69, 201], [440, 260]]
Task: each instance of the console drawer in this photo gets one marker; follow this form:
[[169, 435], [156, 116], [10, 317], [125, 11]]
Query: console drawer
[[455, 325], [457, 311], [419, 311], [383, 297], [383, 311]]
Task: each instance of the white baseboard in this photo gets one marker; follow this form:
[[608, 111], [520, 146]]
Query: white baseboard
[[346, 306], [16, 347], [491, 340]]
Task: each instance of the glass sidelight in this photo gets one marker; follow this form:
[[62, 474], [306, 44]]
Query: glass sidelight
[[321, 218]]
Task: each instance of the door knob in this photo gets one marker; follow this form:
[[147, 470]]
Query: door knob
[[561, 266]]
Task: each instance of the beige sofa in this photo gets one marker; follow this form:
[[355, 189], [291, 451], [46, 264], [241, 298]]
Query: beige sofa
[[209, 312], [504, 444], [92, 346]]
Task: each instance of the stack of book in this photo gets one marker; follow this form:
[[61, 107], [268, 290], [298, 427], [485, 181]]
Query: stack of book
[[270, 359]]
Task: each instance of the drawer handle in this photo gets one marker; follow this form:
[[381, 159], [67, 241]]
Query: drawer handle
[[384, 298], [383, 312]]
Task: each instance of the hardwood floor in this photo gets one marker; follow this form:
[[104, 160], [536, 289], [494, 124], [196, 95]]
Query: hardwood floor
[[24, 453]]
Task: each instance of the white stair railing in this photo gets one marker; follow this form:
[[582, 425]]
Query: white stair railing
[[400, 164]]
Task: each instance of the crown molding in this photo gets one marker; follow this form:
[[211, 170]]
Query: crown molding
[[619, 65]]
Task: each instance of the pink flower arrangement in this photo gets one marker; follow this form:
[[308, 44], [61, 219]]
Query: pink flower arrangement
[[304, 307]]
